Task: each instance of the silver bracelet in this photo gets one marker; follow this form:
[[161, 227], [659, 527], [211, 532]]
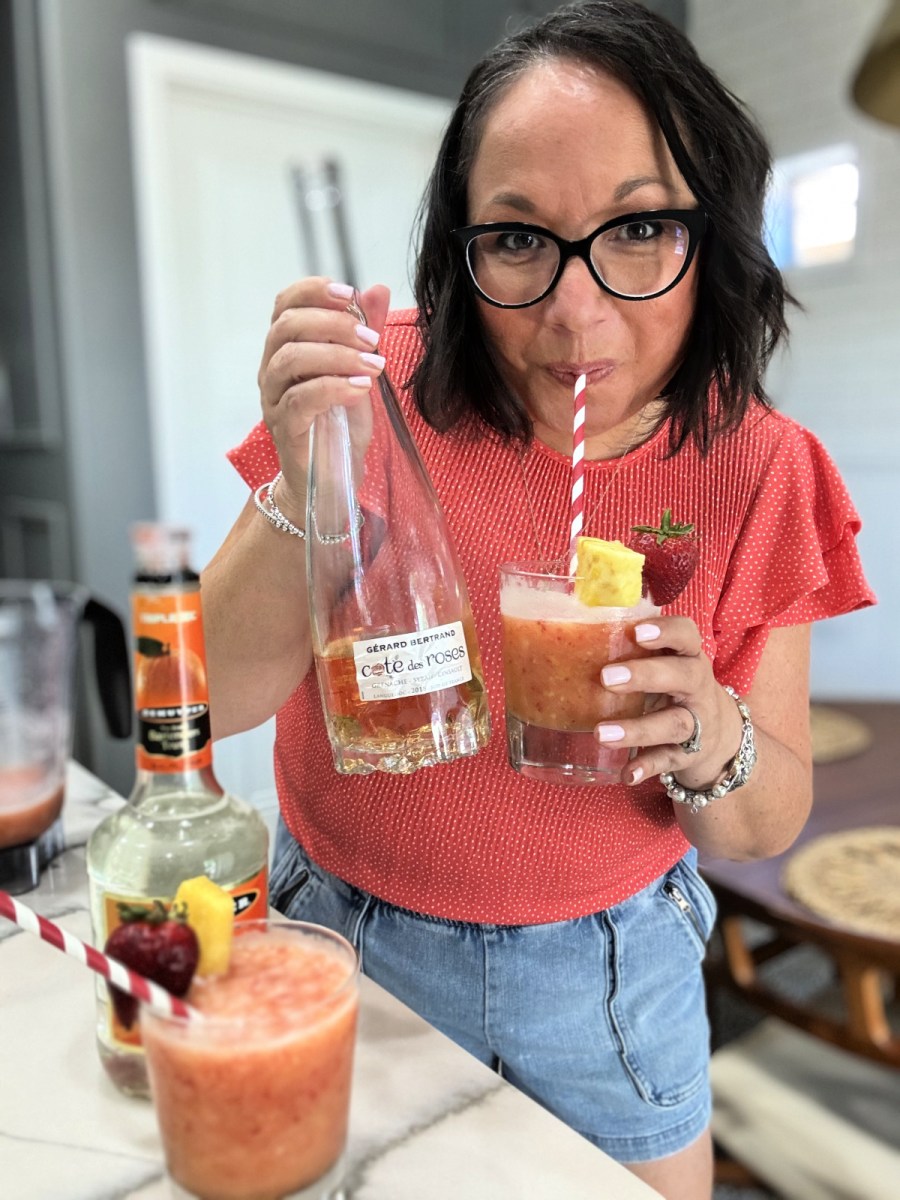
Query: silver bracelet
[[276, 517], [272, 512], [736, 776]]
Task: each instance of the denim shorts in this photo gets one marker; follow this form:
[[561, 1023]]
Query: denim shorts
[[601, 1019]]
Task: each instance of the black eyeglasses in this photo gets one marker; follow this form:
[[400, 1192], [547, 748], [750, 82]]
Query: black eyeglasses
[[639, 256]]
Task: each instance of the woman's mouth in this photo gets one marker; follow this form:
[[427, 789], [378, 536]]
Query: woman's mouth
[[568, 373]]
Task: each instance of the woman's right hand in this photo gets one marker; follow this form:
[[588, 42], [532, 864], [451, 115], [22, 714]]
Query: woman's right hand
[[317, 354]]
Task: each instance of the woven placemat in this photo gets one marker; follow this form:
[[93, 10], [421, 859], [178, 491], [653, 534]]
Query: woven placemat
[[836, 734], [851, 878]]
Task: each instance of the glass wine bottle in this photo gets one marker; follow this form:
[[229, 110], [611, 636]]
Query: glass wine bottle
[[178, 822], [394, 642]]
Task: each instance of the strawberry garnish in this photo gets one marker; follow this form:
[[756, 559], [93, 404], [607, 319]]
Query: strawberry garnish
[[157, 944], [671, 553]]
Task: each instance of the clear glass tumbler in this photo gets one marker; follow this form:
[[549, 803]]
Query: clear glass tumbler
[[252, 1099], [554, 648]]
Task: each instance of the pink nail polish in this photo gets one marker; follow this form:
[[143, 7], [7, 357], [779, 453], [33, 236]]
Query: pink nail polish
[[646, 633], [610, 733], [365, 334], [360, 381], [340, 291], [635, 775], [615, 674]]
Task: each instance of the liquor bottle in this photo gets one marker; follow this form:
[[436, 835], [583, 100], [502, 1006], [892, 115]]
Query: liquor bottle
[[178, 822], [394, 642]]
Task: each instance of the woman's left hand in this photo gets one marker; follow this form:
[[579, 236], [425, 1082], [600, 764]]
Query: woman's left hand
[[681, 680]]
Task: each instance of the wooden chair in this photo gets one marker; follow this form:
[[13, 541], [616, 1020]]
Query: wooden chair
[[867, 970], [854, 1014]]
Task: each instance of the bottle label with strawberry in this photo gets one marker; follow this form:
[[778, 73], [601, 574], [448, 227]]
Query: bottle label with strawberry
[[141, 920], [171, 691]]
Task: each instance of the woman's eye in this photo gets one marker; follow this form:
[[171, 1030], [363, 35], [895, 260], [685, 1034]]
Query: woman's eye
[[517, 240], [640, 231]]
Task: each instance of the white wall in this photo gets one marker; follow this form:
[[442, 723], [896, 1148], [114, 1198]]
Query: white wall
[[792, 63], [215, 135]]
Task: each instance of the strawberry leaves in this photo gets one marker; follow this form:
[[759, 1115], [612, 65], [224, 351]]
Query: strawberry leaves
[[671, 553]]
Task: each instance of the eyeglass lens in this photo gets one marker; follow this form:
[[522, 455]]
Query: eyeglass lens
[[637, 259]]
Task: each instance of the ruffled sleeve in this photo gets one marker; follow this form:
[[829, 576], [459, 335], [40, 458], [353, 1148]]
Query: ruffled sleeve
[[255, 459], [796, 558]]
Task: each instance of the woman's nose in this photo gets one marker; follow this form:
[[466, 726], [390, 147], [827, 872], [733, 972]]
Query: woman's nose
[[577, 298]]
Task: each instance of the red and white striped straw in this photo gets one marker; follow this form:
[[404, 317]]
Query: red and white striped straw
[[129, 981], [577, 508]]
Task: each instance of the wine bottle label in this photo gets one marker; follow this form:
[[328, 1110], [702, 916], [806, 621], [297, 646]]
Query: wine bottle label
[[171, 692], [412, 664]]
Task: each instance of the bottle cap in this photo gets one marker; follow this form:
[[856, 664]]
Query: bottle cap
[[161, 549]]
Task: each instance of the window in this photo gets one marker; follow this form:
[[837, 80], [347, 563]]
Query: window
[[811, 208]]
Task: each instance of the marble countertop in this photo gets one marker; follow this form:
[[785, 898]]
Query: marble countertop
[[428, 1121]]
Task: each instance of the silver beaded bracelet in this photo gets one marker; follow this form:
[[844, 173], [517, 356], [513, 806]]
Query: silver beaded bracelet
[[738, 772], [276, 517], [272, 512]]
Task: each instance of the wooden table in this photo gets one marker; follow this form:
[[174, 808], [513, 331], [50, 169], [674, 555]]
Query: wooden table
[[862, 790]]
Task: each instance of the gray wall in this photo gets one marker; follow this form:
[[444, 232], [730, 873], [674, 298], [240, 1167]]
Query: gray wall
[[70, 323]]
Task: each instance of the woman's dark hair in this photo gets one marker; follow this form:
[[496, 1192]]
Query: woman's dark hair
[[725, 162]]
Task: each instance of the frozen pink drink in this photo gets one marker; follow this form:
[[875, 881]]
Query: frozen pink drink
[[554, 651], [252, 1101]]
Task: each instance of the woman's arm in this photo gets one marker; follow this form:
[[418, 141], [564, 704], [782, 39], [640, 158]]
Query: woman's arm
[[255, 617], [255, 606], [763, 817]]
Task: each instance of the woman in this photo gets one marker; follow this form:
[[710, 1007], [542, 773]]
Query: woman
[[558, 933]]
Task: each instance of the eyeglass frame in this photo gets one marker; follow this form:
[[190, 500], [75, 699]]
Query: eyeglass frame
[[695, 220]]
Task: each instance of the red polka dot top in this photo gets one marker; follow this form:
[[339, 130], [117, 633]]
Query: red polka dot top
[[473, 840]]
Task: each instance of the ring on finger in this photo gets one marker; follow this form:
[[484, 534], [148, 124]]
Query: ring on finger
[[693, 743]]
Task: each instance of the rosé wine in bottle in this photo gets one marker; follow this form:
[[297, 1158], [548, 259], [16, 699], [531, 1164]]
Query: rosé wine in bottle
[[393, 637]]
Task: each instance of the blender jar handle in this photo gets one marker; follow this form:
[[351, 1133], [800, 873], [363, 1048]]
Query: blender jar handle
[[111, 662]]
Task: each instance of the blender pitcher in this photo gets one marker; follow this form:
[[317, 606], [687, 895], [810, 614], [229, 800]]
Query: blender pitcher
[[39, 624]]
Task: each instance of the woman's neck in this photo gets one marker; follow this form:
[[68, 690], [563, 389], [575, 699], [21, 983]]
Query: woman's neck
[[611, 443]]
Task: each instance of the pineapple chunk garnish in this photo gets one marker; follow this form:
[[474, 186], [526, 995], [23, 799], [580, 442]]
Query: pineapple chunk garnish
[[210, 913], [607, 573]]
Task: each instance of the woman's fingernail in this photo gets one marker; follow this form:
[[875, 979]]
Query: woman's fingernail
[[373, 360], [646, 633], [635, 775], [365, 334], [614, 675], [360, 381], [610, 733], [340, 291]]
